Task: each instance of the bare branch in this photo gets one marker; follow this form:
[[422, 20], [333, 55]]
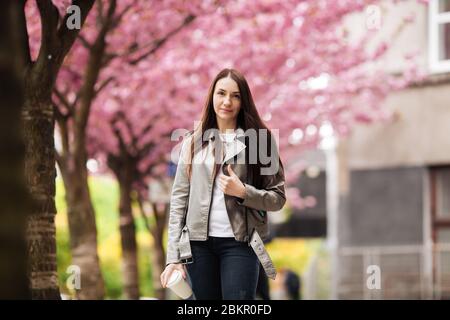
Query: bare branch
[[87, 91], [143, 214], [145, 149], [120, 115], [107, 58], [116, 131], [146, 130], [155, 45], [22, 34], [67, 36], [60, 160], [84, 41], [69, 106], [49, 22], [61, 120], [110, 15], [134, 138], [59, 116], [104, 84], [119, 17], [100, 10]]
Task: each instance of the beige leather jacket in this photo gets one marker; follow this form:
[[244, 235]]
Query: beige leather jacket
[[248, 217]]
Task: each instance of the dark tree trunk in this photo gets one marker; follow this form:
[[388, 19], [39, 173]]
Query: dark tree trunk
[[15, 204], [128, 242], [123, 169], [159, 255], [72, 162], [38, 127], [81, 216], [40, 176], [83, 231]]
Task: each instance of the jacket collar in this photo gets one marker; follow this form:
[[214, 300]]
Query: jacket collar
[[234, 148], [210, 134]]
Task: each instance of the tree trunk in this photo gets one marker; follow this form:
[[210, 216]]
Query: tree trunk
[[159, 262], [14, 198], [159, 256], [40, 176], [38, 129], [83, 232], [128, 240]]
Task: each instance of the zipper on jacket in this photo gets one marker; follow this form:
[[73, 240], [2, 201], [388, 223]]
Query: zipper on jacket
[[209, 208], [210, 199], [246, 216], [246, 227]]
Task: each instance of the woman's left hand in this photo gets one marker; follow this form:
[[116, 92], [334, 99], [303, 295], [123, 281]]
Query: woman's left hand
[[231, 185]]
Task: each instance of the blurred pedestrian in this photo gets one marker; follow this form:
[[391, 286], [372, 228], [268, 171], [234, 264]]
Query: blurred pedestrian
[[292, 283]]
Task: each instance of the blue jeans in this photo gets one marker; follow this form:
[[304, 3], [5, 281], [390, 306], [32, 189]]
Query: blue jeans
[[223, 268]]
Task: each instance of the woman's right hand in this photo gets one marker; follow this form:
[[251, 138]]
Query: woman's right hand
[[165, 276]]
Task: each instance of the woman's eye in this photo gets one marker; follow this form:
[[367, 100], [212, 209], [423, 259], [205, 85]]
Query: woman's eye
[[237, 97], [220, 93]]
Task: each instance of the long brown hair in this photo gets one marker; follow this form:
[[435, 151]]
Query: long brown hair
[[248, 118]]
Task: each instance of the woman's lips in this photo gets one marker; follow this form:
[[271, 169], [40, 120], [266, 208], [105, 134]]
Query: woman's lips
[[226, 110]]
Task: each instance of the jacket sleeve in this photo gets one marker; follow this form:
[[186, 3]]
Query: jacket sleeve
[[272, 196], [178, 204]]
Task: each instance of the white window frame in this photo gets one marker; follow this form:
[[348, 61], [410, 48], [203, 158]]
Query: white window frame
[[434, 20]]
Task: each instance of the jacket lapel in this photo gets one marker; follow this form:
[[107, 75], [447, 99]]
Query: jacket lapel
[[236, 147], [233, 149]]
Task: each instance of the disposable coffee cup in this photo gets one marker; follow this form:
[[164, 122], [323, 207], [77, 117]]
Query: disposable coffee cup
[[179, 285]]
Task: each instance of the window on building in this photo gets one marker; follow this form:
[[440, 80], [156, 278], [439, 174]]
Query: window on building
[[439, 35], [440, 212], [443, 194], [440, 209]]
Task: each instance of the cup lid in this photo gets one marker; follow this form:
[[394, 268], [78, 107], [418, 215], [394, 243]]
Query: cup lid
[[174, 277]]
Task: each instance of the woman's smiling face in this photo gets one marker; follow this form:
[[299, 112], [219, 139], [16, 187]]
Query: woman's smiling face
[[226, 99]]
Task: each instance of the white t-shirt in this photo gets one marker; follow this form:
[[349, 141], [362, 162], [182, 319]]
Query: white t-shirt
[[219, 222]]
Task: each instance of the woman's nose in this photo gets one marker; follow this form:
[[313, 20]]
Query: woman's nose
[[226, 101]]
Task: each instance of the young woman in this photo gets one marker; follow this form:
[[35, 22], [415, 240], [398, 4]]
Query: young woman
[[221, 194]]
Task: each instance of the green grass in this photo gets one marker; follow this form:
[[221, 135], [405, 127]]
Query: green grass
[[104, 193]]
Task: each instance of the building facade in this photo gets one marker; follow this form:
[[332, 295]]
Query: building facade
[[388, 184]]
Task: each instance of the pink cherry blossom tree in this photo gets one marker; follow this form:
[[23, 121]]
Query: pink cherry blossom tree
[[111, 43], [139, 61], [302, 69]]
